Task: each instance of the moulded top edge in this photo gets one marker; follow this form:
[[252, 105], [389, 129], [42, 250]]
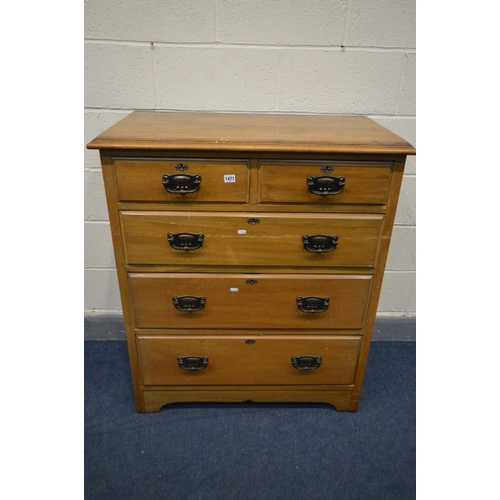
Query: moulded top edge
[[152, 130]]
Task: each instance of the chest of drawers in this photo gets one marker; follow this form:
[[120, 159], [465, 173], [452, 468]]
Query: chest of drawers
[[250, 252]]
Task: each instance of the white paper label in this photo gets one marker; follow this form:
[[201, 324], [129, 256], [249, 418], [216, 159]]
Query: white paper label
[[230, 178], [233, 289], [242, 231]]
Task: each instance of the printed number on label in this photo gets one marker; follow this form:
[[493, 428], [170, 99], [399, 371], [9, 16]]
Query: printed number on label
[[230, 178]]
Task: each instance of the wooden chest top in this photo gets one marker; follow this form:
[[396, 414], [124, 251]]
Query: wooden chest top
[[251, 132]]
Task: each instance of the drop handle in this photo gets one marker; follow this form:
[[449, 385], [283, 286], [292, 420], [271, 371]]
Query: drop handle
[[181, 183], [324, 185], [306, 362], [185, 241], [192, 362], [320, 243], [189, 303], [313, 304]]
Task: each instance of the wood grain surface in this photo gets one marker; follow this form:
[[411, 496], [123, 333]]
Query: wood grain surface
[[138, 180], [230, 240], [232, 360], [231, 302], [150, 130], [286, 182]]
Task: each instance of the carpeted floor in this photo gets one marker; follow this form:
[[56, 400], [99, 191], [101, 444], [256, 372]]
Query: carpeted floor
[[248, 450]]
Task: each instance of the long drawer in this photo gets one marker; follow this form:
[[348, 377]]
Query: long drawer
[[182, 180], [162, 300], [212, 360], [251, 239]]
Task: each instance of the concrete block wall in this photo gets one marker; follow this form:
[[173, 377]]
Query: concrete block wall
[[278, 56]]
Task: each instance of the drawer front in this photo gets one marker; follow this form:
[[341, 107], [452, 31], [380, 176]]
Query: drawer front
[[281, 301], [223, 181], [297, 182], [234, 360], [232, 239]]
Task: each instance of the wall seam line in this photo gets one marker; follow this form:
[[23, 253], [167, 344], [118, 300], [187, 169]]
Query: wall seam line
[[347, 19], [153, 62], [216, 24], [332, 48], [278, 86], [400, 89], [129, 110]]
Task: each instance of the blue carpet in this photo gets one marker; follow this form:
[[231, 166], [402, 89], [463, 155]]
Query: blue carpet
[[248, 450]]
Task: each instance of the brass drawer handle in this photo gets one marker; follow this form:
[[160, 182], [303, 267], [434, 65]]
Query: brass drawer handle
[[181, 183], [189, 303], [320, 243], [306, 362], [193, 362], [313, 304], [325, 185], [185, 241]]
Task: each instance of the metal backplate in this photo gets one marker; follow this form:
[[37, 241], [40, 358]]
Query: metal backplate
[[324, 185], [306, 362], [181, 183]]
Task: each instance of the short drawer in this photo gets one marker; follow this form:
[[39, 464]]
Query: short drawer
[[281, 301], [261, 239], [324, 183], [241, 360], [182, 180]]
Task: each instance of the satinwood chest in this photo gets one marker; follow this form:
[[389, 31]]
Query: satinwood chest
[[250, 251]]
